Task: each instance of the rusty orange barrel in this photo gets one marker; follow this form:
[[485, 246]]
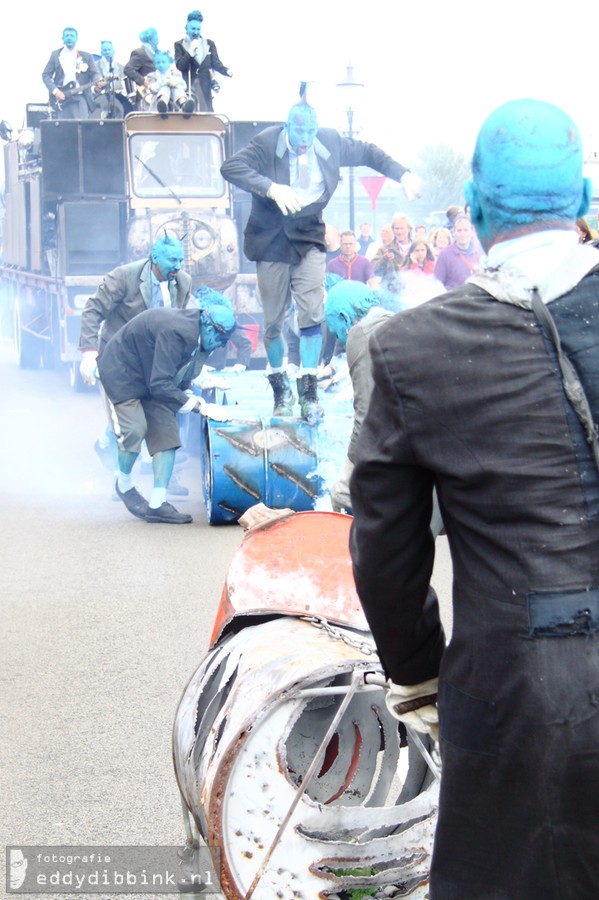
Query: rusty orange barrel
[[285, 754]]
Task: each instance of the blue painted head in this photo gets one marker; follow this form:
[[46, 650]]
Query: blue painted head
[[207, 296], [163, 60], [167, 257], [302, 126], [347, 302], [527, 171], [330, 279], [193, 28], [69, 37], [217, 323], [149, 36], [107, 50]]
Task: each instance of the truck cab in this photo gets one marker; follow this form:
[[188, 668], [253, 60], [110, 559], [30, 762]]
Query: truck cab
[[85, 196]]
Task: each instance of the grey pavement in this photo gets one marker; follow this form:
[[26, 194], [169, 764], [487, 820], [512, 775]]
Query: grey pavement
[[104, 619]]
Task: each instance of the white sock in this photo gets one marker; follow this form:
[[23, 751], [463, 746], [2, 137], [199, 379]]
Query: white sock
[[157, 497], [125, 482]]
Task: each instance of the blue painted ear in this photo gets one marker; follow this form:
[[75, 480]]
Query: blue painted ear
[[471, 195], [587, 195]]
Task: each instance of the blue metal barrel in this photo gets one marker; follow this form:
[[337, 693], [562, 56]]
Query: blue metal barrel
[[271, 461]]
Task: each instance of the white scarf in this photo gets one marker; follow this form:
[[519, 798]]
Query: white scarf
[[202, 51], [551, 261]]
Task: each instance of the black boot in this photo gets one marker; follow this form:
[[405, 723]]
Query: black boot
[[187, 106], [307, 392], [283, 396]]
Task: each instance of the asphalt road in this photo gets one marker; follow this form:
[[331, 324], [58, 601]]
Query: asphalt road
[[104, 619]]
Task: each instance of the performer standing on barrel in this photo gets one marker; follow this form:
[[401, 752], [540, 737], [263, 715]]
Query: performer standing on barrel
[[291, 172]]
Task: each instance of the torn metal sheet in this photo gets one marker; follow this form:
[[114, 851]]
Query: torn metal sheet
[[295, 788]]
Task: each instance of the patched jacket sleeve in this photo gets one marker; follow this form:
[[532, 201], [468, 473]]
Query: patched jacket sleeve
[[391, 543]]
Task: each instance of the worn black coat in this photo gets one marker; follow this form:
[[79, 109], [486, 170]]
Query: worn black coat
[[468, 398], [199, 77], [144, 357], [271, 236]]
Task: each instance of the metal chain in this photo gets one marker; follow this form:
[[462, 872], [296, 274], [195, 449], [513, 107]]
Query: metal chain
[[339, 634]]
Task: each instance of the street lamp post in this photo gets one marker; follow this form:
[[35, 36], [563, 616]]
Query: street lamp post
[[349, 91]]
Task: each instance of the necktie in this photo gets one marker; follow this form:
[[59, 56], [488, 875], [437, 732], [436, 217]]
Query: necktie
[[304, 173]]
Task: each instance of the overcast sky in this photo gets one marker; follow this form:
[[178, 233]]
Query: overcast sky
[[432, 70]]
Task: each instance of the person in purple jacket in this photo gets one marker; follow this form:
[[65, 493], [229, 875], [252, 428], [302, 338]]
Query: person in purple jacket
[[457, 262], [350, 265]]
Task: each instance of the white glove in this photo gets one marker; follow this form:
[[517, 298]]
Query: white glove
[[212, 411], [238, 368], [286, 199], [411, 185], [88, 367], [402, 702]]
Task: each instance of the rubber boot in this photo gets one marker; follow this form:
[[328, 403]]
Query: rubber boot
[[283, 395], [307, 389]]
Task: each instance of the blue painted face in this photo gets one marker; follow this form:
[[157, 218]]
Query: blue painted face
[[107, 50], [167, 258], [302, 128], [193, 29], [347, 302], [216, 327], [162, 61], [69, 38], [527, 168]]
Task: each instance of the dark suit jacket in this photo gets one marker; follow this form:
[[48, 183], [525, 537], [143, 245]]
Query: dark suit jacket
[[144, 358], [269, 235], [122, 294], [53, 75], [200, 74], [139, 65]]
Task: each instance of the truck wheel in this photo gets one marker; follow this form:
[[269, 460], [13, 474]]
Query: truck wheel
[[28, 347]]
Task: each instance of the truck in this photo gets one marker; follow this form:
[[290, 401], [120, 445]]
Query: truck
[[84, 196]]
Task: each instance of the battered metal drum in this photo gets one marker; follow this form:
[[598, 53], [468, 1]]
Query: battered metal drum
[[287, 759], [273, 461]]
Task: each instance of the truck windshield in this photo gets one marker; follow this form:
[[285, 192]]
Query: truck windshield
[[184, 165]]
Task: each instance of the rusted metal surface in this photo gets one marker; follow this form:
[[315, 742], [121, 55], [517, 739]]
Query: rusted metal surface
[[284, 751], [252, 723], [297, 567]]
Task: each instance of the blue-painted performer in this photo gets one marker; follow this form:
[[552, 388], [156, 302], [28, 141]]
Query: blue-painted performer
[[146, 370], [141, 63], [71, 78], [197, 58], [291, 172], [113, 101], [166, 87], [490, 393], [158, 280]]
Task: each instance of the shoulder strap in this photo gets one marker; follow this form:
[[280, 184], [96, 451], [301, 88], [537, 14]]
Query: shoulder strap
[[572, 385]]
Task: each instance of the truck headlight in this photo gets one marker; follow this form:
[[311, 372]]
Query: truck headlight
[[202, 239]]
